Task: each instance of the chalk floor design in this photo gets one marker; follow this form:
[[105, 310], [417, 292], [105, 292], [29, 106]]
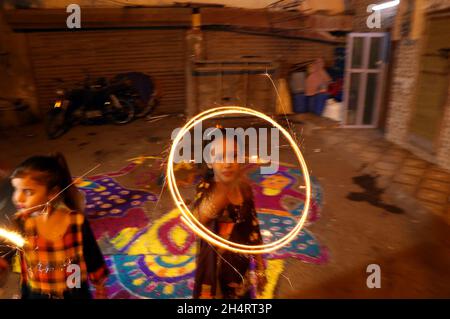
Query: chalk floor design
[[156, 258]]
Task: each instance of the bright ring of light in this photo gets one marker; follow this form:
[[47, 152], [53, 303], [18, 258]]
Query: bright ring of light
[[201, 230]]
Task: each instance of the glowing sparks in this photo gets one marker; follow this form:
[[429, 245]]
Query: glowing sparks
[[13, 237], [195, 224]]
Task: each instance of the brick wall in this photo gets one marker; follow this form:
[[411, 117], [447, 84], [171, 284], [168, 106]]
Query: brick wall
[[443, 155], [223, 45], [404, 78], [233, 86], [405, 74], [402, 100]]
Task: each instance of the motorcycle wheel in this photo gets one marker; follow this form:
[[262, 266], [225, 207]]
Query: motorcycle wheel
[[148, 109], [121, 111], [56, 124]]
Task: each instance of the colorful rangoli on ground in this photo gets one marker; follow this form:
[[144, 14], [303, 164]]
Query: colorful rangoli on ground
[[156, 258]]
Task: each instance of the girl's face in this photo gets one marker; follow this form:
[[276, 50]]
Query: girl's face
[[29, 193], [225, 165]]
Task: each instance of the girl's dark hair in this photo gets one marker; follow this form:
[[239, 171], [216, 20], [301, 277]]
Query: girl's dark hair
[[53, 172]]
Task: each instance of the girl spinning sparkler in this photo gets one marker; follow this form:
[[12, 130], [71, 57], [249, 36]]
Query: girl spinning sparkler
[[224, 203], [60, 253]]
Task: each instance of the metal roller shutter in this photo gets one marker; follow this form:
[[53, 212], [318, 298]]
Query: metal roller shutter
[[69, 55]]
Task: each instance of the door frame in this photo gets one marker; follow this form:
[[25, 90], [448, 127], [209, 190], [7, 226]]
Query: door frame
[[364, 71], [414, 140]]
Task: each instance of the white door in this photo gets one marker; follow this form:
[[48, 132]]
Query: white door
[[364, 76]]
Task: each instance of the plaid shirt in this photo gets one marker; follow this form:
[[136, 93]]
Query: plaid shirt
[[44, 263]]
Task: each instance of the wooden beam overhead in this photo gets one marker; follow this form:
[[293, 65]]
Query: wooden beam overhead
[[284, 20], [252, 18], [104, 18], [39, 19]]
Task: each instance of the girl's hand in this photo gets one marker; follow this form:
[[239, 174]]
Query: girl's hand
[[211, 206]]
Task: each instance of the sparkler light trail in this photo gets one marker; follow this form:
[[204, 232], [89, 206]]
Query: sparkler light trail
[[195, 225], [13, 237]]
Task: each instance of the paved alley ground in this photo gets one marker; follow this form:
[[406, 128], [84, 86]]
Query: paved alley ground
[[381, 204]]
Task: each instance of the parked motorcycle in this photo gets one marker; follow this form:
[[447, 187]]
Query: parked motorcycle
[[142, 91], [90, 103]]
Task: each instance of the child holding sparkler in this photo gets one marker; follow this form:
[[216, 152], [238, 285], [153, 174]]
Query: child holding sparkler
[[224, 203], [60, 253], [7, 251]]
